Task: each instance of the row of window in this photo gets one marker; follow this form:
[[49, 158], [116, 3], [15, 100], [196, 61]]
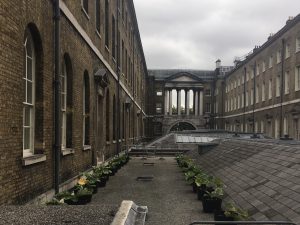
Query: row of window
[[237, 102], [250, 75], [33, 103], [127, 63], [262, 126]]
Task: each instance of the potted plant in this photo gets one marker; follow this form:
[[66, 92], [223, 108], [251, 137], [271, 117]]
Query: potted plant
[[204, 183], [212, 200], [232, 213], [67, 197], [84, 196], [190, 176]]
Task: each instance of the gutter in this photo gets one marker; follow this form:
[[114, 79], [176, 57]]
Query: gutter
[[57, 100]]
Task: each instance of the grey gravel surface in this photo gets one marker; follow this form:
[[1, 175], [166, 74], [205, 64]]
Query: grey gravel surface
[[88, 215], [169, 198]]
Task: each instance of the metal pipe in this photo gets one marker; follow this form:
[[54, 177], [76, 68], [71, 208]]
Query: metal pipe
[[57, 129], [244, 115], [281, 91], [254, 99], [118, 74]]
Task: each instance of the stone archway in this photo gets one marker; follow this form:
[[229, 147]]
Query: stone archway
[[182, 125]]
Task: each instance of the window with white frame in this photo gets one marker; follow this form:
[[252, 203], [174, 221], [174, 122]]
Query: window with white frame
[[207, 92], [263, 93], [285, 126], [297, 44], [257, 94], [159, 93], [247, 98], [239, 82], [270, 89], [297, 78], [271, 61], [257, 69], [264, 66], [238, 101], [29, 101], [278, 86], [251, 96], [97, 16], [287, 82], [278, 56], [252, 73], [158, 108], [86, 110], [243, 80], [242, 101], [287, 51], [234, 103], [247, 76], [262, 126], [63, 81], [85, 6], [208, 108]]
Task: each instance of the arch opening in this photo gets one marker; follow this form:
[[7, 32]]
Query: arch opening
[[181, 126]]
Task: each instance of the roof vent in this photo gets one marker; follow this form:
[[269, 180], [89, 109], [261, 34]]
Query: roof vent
[[289, 19], [270, 36]]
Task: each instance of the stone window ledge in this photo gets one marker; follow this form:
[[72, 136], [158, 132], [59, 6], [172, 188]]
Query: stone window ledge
[[67, 151], [33, 159], [86, 147]]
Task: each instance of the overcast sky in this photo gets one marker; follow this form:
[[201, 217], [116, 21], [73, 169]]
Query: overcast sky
[[193, 34]]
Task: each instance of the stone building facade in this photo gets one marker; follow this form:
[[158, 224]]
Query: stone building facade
[[262, 91], [179, 99], [102, 90]]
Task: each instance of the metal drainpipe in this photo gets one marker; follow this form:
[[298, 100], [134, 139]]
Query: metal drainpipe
[[118, 73], [282, 86], [254, 99], [244, 116], [133, 86], [57, 138]]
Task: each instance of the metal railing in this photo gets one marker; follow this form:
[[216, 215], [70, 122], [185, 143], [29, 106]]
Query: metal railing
[[244, 222]]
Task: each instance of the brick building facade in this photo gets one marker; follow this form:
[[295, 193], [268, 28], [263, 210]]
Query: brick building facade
[[261, 94], [102, 107]]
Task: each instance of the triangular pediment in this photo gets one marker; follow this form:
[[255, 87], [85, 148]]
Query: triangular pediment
[[184, 77]]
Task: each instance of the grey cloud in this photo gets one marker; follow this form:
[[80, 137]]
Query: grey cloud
[[194, 33]]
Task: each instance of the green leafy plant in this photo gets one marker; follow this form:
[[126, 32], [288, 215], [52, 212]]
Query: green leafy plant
[[236, 213], [216, 193]]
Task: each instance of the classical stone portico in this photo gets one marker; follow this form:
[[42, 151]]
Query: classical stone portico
[[185, 99]]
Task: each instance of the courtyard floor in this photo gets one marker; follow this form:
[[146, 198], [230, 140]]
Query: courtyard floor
[[169, 198]]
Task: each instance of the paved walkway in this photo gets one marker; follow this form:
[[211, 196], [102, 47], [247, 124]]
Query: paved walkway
[[169, 198]]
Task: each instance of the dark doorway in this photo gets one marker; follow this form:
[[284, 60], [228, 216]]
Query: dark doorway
[[182, 126]]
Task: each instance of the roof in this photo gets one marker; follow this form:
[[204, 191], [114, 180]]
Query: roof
[[166, 73], [262, 176]]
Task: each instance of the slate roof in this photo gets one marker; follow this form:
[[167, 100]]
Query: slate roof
[[165, 73], [262, 176]]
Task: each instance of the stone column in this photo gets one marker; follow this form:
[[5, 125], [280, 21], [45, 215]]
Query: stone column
[[196, 103], [201, 103], [166, 102], [179, 102], [188, 102], [170, 102]]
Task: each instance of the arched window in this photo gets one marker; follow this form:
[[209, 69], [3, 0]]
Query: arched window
[[86, 110], [107, 117], [66, 103], [29, 101], [114, 118]]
